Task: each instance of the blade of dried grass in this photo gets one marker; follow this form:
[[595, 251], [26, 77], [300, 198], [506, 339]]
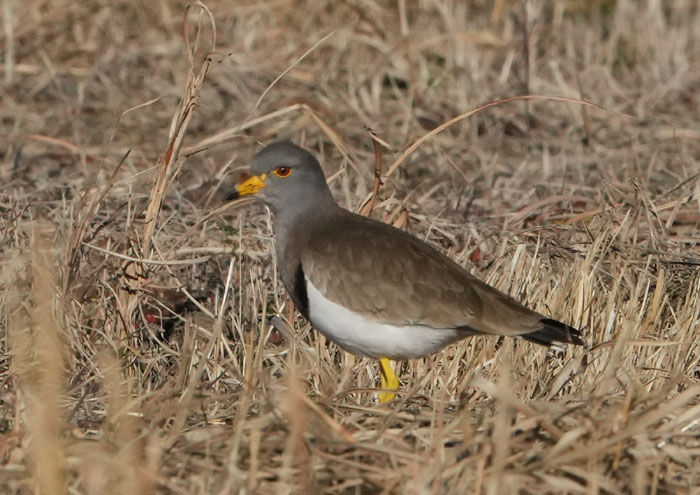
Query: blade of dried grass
[[87, 209], [294, 64], [166, 171], [192, 261], [636, 425], [37, 347], [510, 400], [49, 348], [186, 397], [8, 18], [234, 131], [463, 116], [128, 466], [366, 209]]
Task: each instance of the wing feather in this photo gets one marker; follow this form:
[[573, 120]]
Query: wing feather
[[375, 269]]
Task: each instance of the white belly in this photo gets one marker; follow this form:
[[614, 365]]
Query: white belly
[[366, 337]]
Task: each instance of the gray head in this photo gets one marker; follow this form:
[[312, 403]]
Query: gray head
[[286, 177]]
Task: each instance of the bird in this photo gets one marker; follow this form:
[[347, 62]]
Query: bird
[[373, 289]]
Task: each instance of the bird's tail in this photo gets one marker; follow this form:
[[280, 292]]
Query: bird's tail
[[553, 334]]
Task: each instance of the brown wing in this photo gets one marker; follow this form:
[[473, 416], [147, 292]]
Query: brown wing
[[376, 269]]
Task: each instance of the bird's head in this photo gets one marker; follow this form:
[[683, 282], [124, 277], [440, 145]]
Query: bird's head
[[284, 175]]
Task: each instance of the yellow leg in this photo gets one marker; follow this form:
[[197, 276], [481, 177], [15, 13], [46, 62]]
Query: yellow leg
[[388, 380]]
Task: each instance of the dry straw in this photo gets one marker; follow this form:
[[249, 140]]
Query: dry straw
[[146, 343]]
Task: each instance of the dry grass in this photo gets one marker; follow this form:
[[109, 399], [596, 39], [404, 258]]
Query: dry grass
[[135, 350]]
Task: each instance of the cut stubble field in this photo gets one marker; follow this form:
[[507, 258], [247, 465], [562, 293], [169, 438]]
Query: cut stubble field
[[147, 344]]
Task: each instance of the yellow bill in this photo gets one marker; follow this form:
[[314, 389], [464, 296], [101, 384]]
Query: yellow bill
[[250, 186]]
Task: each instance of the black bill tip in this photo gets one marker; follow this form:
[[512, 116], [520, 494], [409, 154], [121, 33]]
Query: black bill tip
[[233, 195]]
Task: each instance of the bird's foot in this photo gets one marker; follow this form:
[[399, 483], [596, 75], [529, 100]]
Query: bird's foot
[[389, 381]]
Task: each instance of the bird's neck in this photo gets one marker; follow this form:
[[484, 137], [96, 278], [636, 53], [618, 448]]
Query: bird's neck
[[294, 223]]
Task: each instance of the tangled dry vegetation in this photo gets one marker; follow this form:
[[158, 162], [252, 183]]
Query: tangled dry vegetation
[[137, 354]]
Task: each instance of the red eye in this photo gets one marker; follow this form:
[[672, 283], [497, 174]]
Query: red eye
[[283, 171]]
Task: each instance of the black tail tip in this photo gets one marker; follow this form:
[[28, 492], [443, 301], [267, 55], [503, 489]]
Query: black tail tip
[[554, 334], [562, 332]]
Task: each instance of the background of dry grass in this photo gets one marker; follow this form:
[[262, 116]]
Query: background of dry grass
[[125, 377]]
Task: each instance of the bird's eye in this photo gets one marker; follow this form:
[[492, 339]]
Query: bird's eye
[[283, 171]]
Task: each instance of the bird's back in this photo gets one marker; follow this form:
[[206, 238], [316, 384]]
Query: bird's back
[[375, 269]]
